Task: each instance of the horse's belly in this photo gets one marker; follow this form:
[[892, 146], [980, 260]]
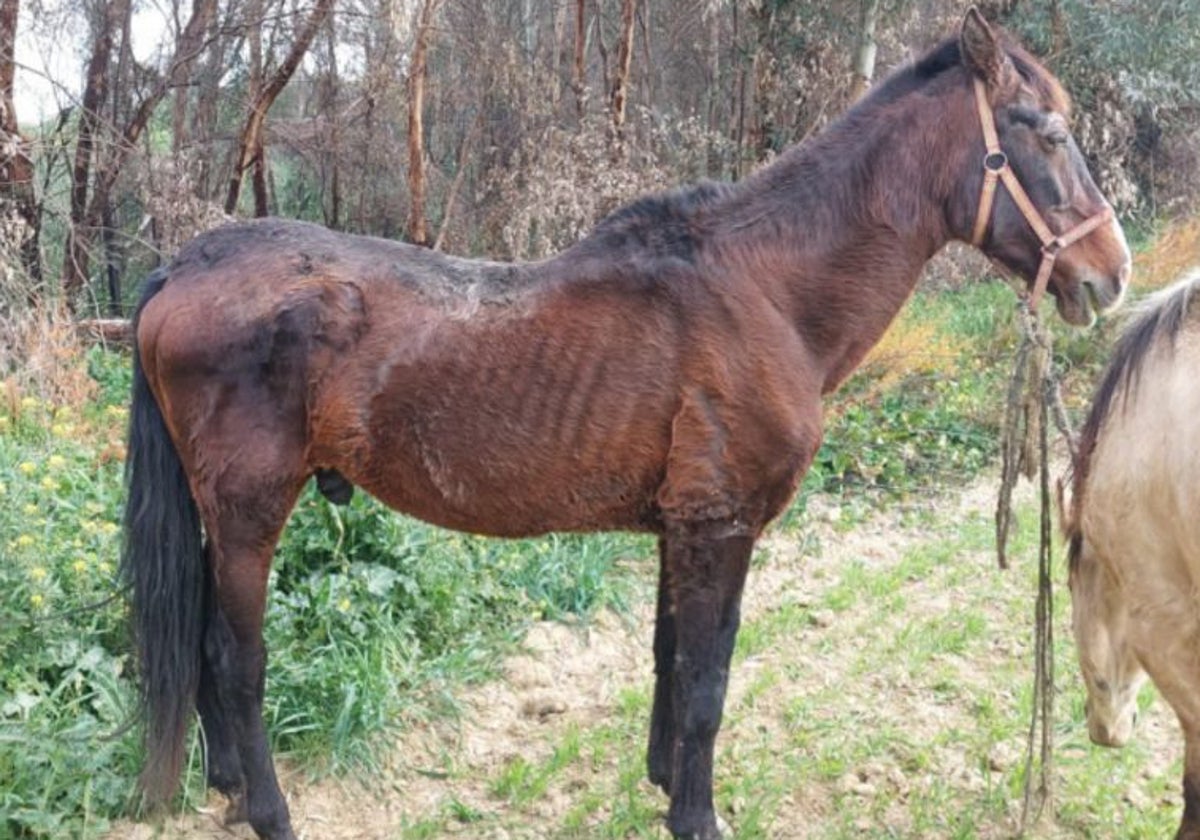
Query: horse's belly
[[491, 496]]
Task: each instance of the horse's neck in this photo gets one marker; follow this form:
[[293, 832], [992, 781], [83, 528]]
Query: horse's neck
[[837, 232]]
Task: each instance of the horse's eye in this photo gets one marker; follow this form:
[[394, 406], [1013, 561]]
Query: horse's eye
[[1057, 138], [1101, 685]]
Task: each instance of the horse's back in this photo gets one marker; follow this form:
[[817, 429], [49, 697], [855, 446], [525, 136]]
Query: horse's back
[[1142, 499]]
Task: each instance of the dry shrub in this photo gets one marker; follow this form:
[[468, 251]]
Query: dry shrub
[[1171, 164], [42, 356], [1106, 129], [168, 188], [16, 287], [953, 267], [908, 348], [569, 178], [1173, 252]]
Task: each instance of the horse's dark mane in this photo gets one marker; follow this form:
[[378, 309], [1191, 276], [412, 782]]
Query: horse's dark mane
[[947, 55], [658, 224], [1158, 320]]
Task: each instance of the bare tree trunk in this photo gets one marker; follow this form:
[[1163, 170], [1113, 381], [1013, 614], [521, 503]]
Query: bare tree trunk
[[75, 259], [250, 146], [16, 166], [648, 64], [205, 121], [332, 153], [620, 86], [601, 47], [578, 77], [864, 52], [714, 163], [108, 167], [191, 41], [762, 123], [738, 117], [461, 170], [418, 232]]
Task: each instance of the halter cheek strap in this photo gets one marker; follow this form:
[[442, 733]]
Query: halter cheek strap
[[996, 169]]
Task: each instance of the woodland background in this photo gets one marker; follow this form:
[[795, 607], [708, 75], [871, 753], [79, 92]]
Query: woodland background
[[498, 127], [507, 128]]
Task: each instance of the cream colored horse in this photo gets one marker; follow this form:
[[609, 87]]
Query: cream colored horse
[[1134, 530]]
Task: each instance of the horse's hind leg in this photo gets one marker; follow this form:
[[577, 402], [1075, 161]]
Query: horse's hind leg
[[706, 574], [223, 764], [243, 521]]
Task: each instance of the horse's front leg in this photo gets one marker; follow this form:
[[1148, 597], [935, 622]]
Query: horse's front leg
[[706, 570], [660, 754], [1189, 828]]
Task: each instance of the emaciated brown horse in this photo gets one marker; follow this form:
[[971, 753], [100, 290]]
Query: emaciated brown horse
[[1134, 531], [664, 374]]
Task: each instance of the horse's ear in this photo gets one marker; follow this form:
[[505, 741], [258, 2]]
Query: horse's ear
[[982, 51]]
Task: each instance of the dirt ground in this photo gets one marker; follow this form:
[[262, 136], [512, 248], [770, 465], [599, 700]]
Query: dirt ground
[[573, 678]]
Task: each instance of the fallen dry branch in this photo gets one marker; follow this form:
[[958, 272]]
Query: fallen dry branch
[[117, 331]]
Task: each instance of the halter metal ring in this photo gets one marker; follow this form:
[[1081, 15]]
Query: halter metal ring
[[995, 161]]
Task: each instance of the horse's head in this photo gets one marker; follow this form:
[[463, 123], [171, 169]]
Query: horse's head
[[1046, 216], [1111, 671]]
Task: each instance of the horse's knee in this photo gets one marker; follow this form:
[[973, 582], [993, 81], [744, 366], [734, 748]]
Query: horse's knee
[[705, 706]]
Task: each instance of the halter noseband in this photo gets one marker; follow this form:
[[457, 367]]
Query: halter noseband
[[996, 168]]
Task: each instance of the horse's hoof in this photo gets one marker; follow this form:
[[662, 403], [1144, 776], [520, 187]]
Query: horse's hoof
[[714, 830]]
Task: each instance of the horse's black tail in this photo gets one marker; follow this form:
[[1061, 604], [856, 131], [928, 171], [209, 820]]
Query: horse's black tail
[[162, 564]]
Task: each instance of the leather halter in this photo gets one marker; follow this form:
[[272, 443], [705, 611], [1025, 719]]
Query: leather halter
[[996, 168]]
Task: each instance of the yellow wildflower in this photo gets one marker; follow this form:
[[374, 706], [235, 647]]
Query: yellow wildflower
[[30, 509], [29, 403], [62, 430], [27, 467], [3, 488], [38, 574], [79, 566], [3, 423], [344, 605], [24, 541], [104, 568], [36, 600], [49, 483], [56, 462]]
